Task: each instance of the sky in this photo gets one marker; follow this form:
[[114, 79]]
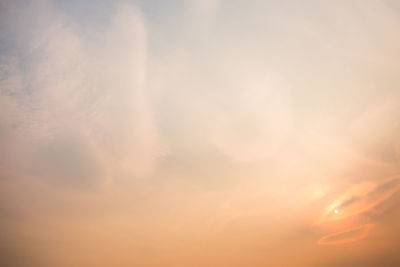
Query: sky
[[199, 133]]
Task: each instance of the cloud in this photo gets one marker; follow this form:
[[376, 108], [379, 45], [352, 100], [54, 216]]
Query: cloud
[[79, 104], [198, 132]]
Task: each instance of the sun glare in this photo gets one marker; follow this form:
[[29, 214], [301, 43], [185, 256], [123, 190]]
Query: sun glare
[[336, 211]]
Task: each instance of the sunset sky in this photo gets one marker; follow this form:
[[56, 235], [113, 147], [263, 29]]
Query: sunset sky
[[199, 133]]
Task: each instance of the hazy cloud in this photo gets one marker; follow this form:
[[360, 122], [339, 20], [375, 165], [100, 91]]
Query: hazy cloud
[[199, 133]]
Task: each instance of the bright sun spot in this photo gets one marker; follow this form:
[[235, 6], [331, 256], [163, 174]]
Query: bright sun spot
[[336, 211]]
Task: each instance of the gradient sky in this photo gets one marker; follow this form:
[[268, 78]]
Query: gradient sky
[[199, 133]]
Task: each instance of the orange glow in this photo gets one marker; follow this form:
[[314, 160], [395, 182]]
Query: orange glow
[[359, 199], [199, 133], [358, 236]]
